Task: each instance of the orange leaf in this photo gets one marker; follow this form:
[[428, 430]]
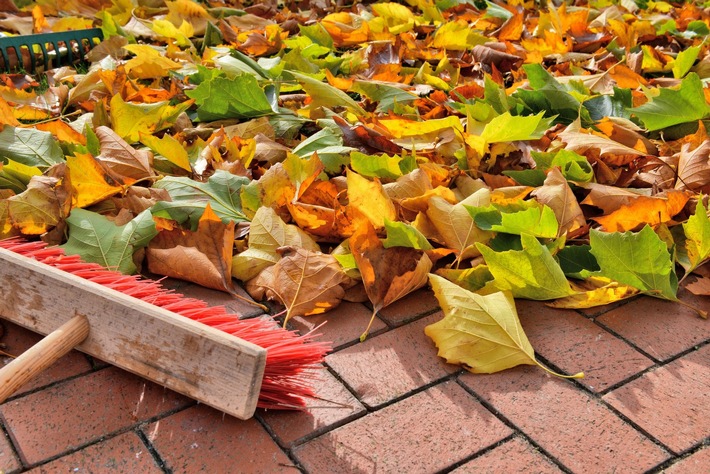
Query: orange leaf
[[62, 131], [644, 210], [203, 256]]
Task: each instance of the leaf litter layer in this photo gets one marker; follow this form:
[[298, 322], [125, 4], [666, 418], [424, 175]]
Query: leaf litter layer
[[318, 151]]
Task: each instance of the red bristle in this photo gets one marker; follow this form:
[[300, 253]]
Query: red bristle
[[291, 359]]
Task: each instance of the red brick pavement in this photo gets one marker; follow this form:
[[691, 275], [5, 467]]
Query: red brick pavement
[[391, 405]]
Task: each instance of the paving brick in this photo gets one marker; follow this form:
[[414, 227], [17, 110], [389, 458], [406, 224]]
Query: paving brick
[[18, 339], [8, 461], [336, 405], [411, 306], [511, 457], [574, 343], [76, 412], [423, 433], [671, 402], [390, 365], [201, 439], [343, 325], [216, 298], [124, 453], [660, 328], [699, 462], [567, 423]]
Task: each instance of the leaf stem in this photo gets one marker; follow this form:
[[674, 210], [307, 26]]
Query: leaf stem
[[364, 335], [578, 375], [703, 314]]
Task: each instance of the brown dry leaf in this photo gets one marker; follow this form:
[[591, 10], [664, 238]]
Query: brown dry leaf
[[580, 142], [556, 193], [203, 256], [644, 210], [609, 198], [44, 204], [304, 281], [122, 158], [694, 168], [700, 287], [388, 274], [137, 199]]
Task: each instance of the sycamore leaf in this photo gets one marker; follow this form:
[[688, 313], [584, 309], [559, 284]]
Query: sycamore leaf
[[122, 158], [530, 273], [644, 211], [148, 63], [130, 120], [638, 259], [373, 166], [92, 180], [482, 332], [700, 287], [697, 238], [577, 261], [189, 197], [97, 239], [168, 147], [302, 172], [30, 147], [16, 176], [579, 141], [267, 233], [518, 217], [610, 198], [43, 205], [674, 106], [304, 281], [594, 291], [556, 194], [509, 128], [387, 273], [324, 95], [203, 256], [238, 97], [369, 198], [694, 168], [471, 279], [400, 234]]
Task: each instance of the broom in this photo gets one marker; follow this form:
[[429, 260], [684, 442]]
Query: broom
[[290, 358]]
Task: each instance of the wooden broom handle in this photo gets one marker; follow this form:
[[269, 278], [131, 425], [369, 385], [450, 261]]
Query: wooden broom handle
[[43, 354]]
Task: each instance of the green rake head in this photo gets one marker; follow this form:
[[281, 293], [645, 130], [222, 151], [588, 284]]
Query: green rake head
[[26, 52]]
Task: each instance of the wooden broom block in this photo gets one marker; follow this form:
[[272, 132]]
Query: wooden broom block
[[213, 367]]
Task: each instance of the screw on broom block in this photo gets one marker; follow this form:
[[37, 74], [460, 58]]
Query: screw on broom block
[[137, 324]]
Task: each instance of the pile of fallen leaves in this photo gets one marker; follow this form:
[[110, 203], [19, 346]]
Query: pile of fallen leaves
[[320, 151]]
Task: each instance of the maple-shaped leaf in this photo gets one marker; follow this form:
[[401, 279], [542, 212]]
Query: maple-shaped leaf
[[170, 148], [581, 141], [530, 273], [673, 106], [387, 273], [304, 281], [43, 205], [190, 197], [400, 234], [130, 120], [482, 332], [238, 97], [267, 233], [203, 256], [638, 259], [519, 217], [92, 180], [644, 211], [471, 279], [30, 147], [556, 194], [325, 95], [96, 239]]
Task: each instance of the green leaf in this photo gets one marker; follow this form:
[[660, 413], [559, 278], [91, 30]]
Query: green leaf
[[673, 106], [534, 178], [551, 97], [97, 239], [483, 332], [189, 197], [638, 259], [30, 147], [521, 217], [239, 97], [495, 96], [510, 128], [697, 238], [471, 279], [384, 95], [16, 176], [382, 166], [324, 95], [574, 167], [684, 61], [606, 105], [577, 261], [400, 234], [530, 273]]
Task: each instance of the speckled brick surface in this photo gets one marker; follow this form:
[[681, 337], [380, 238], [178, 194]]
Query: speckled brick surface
[[391, 404]]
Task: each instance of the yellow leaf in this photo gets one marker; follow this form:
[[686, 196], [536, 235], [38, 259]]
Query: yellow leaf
[[594, 291], [482, 332], [130, 120], [369, 198], [7, 116], [148, 62], [168, 30], [92, 180], [170, 148], [644, 210], [45, 202], [409, 128]]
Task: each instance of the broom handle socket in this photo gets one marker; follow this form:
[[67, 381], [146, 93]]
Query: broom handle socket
[[43, 354]]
